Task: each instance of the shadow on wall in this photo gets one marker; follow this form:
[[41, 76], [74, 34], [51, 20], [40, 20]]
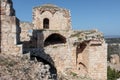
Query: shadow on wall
[[18, 31], [39, 53], [32, 43], [54, 38], [0, 30], [81, 47], [79, 57]]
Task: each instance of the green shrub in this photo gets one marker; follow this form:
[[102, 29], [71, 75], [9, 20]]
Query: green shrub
[[73, 74], [54, 46], [112, 74]]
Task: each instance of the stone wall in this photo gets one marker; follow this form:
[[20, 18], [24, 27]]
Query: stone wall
[[61, 56], [6, 8], [26, 31], [9, 29], [97, 67], [44, 34], [81, 51], [114, 62], [54, 14], [89, 57]]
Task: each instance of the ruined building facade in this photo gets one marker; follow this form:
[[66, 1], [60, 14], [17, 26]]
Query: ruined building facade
[[50, 37]]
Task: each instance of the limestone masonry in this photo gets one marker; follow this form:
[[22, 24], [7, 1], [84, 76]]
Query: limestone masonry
[[51, 38]]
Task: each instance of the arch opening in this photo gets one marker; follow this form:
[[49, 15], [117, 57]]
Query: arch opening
[[46, 23], [54, 39]]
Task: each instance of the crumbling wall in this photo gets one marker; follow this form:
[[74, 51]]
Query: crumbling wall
[[54, 14], [42, 35], [82, 58], [6, 8], [114, 62], [9, 29], [92, 58], [61, 55], [26, 31], [97, 68]]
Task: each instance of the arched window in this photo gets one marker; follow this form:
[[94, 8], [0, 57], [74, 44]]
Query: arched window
[[54, 39], [46, 23]]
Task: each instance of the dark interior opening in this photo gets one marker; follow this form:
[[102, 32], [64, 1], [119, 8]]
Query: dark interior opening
[[53, 70], [54, 39], [81, 47], [46, 23]]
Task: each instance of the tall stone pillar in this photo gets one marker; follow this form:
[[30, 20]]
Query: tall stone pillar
[[9, 28], [97, 68]]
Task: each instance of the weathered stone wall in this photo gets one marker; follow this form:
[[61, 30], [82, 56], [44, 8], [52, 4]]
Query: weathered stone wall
[[114, 62], [81, 51], [9, 29], [59, 19], [6, 8], [26, 31], [97, 67], [43, 35], [82, 59], [61, 55]]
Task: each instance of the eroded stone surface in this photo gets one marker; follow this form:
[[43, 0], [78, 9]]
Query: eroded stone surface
[[114, 62], [51, 38]]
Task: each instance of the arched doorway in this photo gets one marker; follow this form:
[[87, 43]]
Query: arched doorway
[[54, 39], [46, 23]]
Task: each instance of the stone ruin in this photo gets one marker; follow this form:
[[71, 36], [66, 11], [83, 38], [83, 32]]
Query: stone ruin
[[114, 62], [50, 38]]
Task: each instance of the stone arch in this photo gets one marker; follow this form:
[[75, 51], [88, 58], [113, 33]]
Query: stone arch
[[54, 38], [46, 23]]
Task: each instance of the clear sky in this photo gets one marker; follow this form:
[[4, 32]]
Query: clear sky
[[103, 15]]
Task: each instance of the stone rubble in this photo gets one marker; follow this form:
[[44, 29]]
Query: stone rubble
[[21, 68]]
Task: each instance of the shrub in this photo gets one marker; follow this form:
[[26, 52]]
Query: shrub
[[73, 74], [112, 74]]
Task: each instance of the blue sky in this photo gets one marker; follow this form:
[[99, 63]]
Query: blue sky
[[103, 15]]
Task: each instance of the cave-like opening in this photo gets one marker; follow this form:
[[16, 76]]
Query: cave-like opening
[[54, 39]]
